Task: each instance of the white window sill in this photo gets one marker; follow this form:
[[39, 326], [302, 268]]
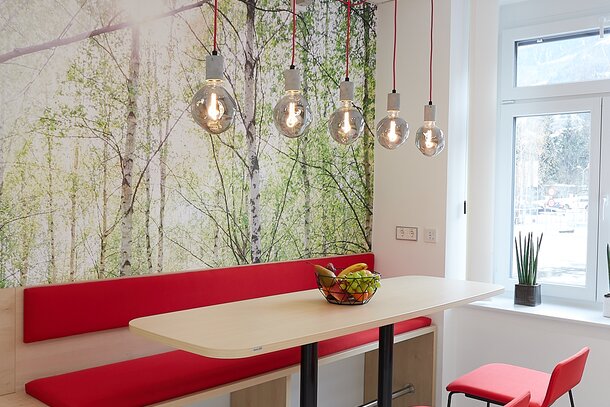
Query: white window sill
[[589, 314]]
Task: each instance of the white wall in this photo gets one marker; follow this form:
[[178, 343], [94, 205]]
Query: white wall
[[475, 336], [411, 189], [481, 142]]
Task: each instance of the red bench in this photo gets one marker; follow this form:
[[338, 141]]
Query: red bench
[[65, 310]]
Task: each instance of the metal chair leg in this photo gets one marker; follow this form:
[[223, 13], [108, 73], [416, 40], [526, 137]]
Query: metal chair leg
[[449, 399], [571, 398]]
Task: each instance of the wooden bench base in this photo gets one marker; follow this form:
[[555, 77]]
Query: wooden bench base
[[19, 399], [414, 363]]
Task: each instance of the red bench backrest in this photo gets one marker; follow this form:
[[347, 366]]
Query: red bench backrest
[[55, 311]]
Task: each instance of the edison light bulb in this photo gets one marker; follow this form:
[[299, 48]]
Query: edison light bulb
[[346, 124], [292, 115], [212, 107], [392, 130], [429, 138]]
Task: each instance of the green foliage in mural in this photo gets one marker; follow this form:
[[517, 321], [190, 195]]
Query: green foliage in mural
[[83, 196]]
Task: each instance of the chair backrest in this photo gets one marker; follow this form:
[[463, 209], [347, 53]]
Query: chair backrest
[[522, 401], [565, 376]]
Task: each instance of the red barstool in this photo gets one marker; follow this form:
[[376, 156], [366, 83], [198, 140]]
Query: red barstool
[[522, 401], [499, 383]]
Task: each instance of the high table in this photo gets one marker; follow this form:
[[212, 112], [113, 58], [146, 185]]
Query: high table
[[268, 324]]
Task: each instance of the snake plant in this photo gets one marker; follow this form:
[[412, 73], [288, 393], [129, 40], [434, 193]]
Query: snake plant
[[527, 252]]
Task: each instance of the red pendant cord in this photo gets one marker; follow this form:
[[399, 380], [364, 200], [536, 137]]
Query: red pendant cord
[[431, 45], [394, 60], [215, 25], [294, 30], [349, 12]]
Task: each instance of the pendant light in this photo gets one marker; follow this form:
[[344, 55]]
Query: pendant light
[[291, 114], [429, 138], [212, 107], [392, 130], [346, 124]]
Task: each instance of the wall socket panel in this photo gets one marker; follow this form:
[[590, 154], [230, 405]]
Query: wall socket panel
[[406, 233], [430, 235]]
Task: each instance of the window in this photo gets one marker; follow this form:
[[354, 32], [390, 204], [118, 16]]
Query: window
[[559, 59], [552, 148], [577, 57]]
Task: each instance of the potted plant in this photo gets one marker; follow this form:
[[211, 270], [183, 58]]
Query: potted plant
[[607, 296], [527, 292]]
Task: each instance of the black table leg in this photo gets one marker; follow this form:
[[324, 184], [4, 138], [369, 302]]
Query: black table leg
[[386, 350], [309, 375]]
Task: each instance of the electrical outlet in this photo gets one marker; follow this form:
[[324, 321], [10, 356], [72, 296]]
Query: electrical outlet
[[406, 233], [430, 235]]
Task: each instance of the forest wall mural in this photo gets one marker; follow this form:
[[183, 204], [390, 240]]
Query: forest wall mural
[[89, 191]]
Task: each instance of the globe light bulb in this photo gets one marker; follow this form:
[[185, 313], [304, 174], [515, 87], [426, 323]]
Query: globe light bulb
[[392, 131], [212, 107], [291, 114], [429, 139], [346, 124]]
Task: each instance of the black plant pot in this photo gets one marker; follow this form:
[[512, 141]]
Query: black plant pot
[[527, 295]]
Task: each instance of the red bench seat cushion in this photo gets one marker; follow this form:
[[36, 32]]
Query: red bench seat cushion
[[165, 376]]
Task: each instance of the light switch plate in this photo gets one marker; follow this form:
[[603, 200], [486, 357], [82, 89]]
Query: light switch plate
[[430, 235], [406, 233]]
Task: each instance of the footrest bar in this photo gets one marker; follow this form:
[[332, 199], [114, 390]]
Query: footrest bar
[[408, 389]]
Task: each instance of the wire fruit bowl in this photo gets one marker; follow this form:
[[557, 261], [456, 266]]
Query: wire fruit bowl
[[349, 290]]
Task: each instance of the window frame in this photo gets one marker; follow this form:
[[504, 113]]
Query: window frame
[[508, 53], [604, 203], [504, 208]]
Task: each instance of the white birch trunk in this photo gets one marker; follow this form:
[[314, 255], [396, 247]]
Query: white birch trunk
[[162, 180], [147, 189], [52, 278], [128, 155], [73, 205], [368, 105], [251, 137], [26, 241], [307, 218], [104, 229], [164, 142]]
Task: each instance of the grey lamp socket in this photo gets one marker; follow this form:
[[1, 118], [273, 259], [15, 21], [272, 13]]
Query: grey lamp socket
[[393, 102], [292, 79], [430, 113], [214, 66], [346, 90]]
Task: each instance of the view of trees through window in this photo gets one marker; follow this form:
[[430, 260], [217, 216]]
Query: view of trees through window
[[562, 59], [551, 193]]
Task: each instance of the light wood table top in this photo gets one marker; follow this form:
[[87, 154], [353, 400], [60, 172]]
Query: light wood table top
[[267, 324]]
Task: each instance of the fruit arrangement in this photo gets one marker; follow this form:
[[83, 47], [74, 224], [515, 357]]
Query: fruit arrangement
[[352, 285]]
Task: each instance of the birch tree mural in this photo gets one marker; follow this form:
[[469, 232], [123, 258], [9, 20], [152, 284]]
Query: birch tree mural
[[103, 173]]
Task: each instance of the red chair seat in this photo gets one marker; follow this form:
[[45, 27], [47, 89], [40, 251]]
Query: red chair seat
[[522, 401], [156, 378], [503, 383]]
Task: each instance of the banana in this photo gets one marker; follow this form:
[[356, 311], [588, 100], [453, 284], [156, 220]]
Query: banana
[[326, 277], [352, 268]]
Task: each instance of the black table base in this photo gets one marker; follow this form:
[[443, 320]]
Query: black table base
[[386, 353], [309, 375]]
